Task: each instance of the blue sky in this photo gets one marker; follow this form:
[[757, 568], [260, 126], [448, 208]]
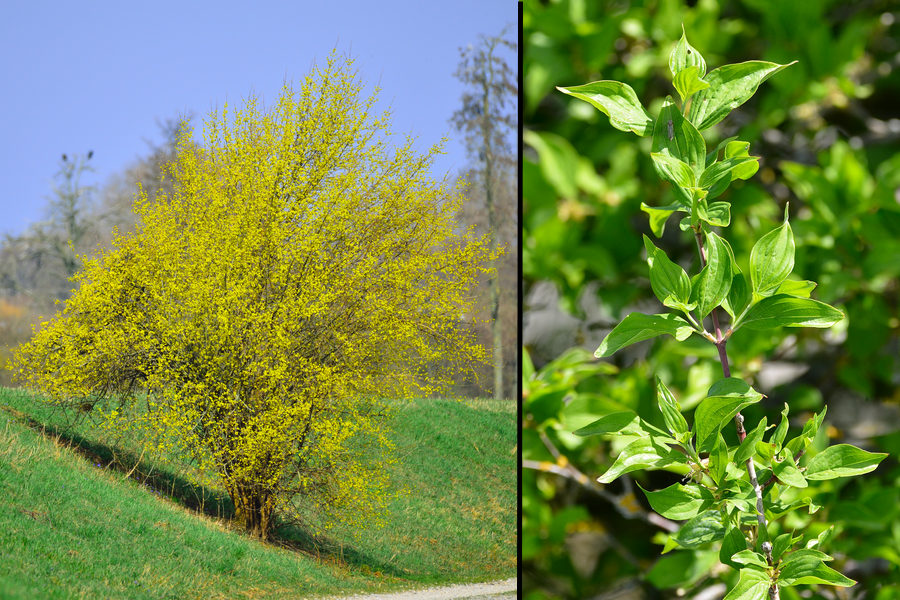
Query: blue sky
[[81, 76]]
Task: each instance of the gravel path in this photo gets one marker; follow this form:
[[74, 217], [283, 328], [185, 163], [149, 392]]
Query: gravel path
[[493, 590]]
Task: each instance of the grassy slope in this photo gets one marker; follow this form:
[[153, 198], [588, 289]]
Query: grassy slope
[[69, 529], [458, 517]]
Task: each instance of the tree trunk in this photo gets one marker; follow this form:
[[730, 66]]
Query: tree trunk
[[252, 510], [496, 326], [497, 331]]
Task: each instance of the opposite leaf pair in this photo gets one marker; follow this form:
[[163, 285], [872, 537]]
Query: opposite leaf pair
[[770, 300]]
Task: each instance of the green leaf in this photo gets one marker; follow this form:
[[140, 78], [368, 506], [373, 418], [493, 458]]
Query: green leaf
[[807, 553], [734, 266], [671, 412], [674, 171], [695, 211], [545, 403], [772, 260], [749, 557], [802, 441], [527, 366], [670, 545], [712, 285], [639, 454], [753, 584], [684, 55], [780, 431], [765, 450], [669, 281], [659, 216], [625, 422], [747, 449], [681, 569], [616, 100], [675, 134], [806, 566], [734, 149], [725, 399], [777, 509], [688, 82], [722, 170], [718, 460], [743, 165], [781, 544], [733, 542], [704, 528], [582, 409], [820, 573], [713, 156], [680, 502], [787, 472], [638, 327], [822, 539], [842, 460], [557, 160], [729, 87], [798, 289], [739, 494], [716, 213], [787, 311], [739, 296]]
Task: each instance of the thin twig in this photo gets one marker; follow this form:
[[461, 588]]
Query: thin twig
[[626, 504], [137, 463], [751, 470]]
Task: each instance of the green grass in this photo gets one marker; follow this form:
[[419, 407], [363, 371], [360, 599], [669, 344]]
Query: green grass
[[71, 529]]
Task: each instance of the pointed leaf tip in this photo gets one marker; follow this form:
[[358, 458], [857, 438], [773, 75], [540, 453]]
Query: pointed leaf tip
[[729, 87], [637, 327], [782, 310], [684, 55], [616, 100], [842, 460]]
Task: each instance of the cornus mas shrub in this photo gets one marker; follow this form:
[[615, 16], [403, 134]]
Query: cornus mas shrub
[[731, 492], [300, 272]]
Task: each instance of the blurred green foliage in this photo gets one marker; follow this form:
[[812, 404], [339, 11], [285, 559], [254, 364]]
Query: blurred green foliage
[[828, 134]]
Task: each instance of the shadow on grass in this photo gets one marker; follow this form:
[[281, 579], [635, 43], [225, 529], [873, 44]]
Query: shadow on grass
[[201, 499], [295, 537]]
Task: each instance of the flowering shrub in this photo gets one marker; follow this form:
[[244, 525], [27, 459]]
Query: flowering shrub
[[299, 272]]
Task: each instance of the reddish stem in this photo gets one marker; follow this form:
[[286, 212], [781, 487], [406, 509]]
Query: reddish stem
[[720, 345], [738, 418]]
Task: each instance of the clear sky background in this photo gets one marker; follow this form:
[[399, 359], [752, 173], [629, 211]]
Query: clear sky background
[[80, 76]]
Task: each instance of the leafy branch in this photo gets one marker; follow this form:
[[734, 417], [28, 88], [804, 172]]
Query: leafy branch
[[717, 502]]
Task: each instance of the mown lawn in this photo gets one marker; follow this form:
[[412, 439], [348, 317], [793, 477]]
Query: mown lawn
[[72, 525]]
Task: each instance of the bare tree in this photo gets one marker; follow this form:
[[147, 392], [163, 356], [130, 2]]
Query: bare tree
[[474, 213], [35, 266], [115, 208], [67, 225], [487, 118], [38, 263]]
